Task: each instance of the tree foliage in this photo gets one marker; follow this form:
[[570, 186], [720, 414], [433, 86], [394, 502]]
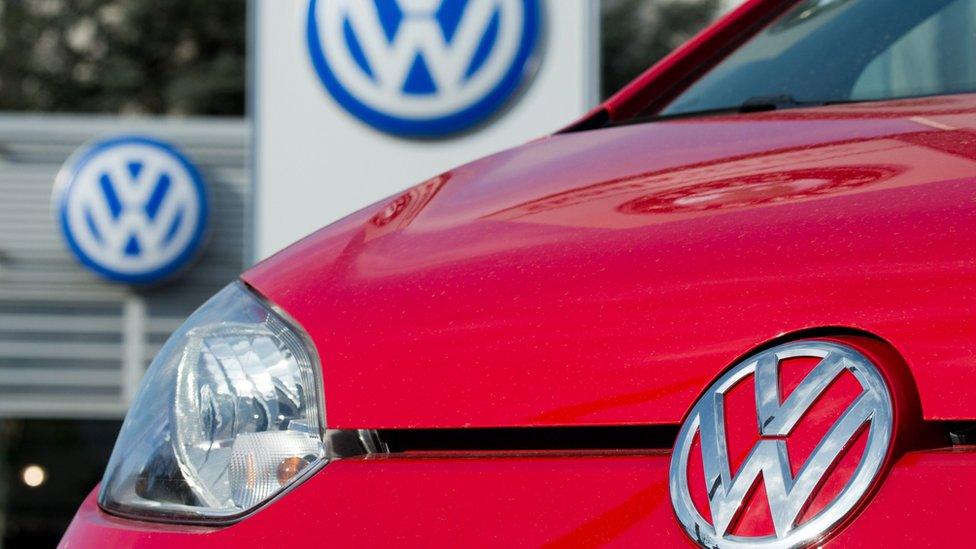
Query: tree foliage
[[123, 56], [189, 56], [637, 33]]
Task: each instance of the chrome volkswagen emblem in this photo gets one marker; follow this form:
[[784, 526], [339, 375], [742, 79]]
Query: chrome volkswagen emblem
[[723, 492]]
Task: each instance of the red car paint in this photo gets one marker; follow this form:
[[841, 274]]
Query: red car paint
[[608, 277], [526, 501]]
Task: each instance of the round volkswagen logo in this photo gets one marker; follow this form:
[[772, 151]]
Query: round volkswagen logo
[[132, 209], [422, 67], [810, 422]]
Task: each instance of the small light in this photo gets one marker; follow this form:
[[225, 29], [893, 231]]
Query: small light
[[289, 467], [33, 475]]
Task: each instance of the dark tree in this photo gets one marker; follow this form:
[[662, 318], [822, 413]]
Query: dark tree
[[122, 56], [637, 33], [188, 56]]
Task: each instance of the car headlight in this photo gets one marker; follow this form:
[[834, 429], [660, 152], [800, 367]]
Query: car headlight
[[228, 415]]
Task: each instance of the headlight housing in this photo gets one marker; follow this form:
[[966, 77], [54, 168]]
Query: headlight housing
[[228, 415]]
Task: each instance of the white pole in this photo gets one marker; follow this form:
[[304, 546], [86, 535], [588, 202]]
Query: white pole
[[133, 345], [591, 34]]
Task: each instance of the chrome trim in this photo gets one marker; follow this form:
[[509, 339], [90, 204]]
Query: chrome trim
[[787, 495]]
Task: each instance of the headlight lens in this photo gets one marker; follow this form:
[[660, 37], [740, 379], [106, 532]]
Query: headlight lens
[[227, 416]]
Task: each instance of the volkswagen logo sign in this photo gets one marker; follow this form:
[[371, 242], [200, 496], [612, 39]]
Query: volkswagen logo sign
[[814, 437], [133, 208], [424, 68]]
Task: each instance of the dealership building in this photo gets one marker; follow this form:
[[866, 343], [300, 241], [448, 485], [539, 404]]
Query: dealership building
[[113, 229], [74, 344]]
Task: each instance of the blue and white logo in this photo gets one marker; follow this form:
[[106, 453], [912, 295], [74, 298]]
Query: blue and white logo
[[132, 208], [423, 67]]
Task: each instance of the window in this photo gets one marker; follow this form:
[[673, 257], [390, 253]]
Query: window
[[823, 51]]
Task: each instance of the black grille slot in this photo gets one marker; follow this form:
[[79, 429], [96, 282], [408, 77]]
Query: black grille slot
[[655, 437]]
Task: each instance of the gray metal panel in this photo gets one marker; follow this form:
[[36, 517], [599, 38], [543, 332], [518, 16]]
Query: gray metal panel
[[71, 344]]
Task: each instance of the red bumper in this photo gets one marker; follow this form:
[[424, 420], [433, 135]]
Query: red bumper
[[569, 500]]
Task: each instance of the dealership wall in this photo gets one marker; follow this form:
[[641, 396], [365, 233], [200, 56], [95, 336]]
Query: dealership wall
[[72, 345]]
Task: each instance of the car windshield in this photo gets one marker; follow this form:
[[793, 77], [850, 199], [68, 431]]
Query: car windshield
[[832, 51]]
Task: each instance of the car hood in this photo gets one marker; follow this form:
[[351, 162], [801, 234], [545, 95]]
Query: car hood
[[607, 277]]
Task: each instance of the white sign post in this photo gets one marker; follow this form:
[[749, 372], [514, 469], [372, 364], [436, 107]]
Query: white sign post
[[355, 100]]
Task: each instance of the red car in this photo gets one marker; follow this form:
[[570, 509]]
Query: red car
[[734, 306]]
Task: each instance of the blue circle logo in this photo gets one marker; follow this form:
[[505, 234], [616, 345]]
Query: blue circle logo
[[132, 208], [424, 68]]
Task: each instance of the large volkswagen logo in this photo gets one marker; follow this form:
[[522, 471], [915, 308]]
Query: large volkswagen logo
[[807, 492], [422, 67], [133, 209]]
